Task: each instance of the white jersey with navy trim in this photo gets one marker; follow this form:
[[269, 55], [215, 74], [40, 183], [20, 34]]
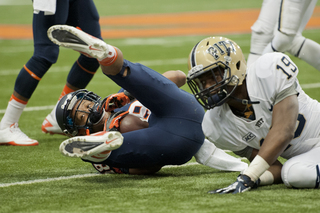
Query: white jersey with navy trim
[[268, 77]]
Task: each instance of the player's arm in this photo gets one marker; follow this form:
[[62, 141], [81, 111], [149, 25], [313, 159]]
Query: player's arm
[[272, 175], [284, 119], [176, 76], [284, 116]]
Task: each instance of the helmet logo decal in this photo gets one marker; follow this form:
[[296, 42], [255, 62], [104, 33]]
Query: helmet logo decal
[[66, 101], [220, 48], [73, 101]]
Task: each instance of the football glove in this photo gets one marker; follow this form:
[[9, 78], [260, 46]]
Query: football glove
[[115, 101], [243, 184], [113, 122]]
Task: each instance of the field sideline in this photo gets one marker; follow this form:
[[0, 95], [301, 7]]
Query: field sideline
[[40, 180], [168, 24]]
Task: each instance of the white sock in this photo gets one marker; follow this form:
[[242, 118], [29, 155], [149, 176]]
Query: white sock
[[12, 114], [310, 53]]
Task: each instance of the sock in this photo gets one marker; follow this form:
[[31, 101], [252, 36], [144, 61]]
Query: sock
[[66, 90], [13, 112], [111, 58], [309, 52], [82, 71]]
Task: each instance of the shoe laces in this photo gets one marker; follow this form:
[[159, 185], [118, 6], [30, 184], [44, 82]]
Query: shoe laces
[[14, 128]]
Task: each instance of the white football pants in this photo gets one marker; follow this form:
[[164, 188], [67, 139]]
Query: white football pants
[[302, 171]]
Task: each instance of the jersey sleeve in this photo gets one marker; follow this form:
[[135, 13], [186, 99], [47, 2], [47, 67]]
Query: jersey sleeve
[[272, 77]]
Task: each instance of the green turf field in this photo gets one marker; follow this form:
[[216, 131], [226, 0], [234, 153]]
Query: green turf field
[[40, 179]]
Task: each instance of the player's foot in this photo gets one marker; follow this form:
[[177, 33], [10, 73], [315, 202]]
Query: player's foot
[[50, 124], [97, 144], [73, 38], [15, 137]]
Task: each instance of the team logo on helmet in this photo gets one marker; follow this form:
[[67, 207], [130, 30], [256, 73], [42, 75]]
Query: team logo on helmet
[[217, 49]]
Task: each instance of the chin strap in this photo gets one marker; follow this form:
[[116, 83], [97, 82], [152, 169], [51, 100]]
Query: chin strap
[[245, 101]]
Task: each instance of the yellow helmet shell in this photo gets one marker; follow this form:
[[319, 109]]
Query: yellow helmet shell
[[219, 50]]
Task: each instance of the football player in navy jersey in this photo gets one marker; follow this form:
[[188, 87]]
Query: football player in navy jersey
[[163, 128], [78, 13]]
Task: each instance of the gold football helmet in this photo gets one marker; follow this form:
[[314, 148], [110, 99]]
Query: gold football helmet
[[221, 60]]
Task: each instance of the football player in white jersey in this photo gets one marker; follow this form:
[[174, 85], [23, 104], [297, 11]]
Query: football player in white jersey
[[279, 27], [260, 113]]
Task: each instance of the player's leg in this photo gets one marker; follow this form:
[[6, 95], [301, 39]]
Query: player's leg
[[288, 25], [82, 14], [45, 54], [263, 28], [306, 50], [152, 147], [141, 81], [174, 112], [302, 171]]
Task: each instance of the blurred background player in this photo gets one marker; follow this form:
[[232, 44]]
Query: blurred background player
[[78, 13], [166, 129], [279, 28]]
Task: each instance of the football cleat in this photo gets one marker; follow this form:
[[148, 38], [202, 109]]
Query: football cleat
[[50, 124], [98, 158], [95, 145], [73, 38], [15, 137]]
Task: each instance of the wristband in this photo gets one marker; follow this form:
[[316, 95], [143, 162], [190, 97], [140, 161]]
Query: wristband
[[266, 178], [256, 168]]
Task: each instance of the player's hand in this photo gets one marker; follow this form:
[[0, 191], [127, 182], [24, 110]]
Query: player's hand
[[115, 101], [243, 184]]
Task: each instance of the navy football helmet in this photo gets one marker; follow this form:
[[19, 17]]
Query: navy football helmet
[[68, 107]]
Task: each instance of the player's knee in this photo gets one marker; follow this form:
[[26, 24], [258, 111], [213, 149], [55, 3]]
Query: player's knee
[[38, 65], [176, 76], [298, 174], [259, 41], [296, 45], [282, 42], [48, 53]]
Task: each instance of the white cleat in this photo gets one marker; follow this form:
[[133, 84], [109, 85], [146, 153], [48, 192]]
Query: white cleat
[[50, 124], [97, 144], [73, 38], [15, 137]]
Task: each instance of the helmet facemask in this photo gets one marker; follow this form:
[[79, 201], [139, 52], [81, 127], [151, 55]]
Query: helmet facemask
[[217, 93], [70, 108]]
